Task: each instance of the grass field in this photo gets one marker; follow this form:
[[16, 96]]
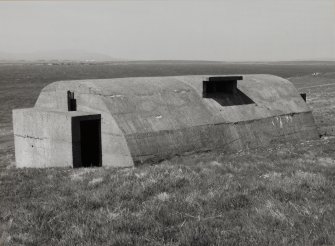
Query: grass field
[[280, 195]]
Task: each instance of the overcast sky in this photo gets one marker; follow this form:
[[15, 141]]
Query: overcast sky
[[189, 30]]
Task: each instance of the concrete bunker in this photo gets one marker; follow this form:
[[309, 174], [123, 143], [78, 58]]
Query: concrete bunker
[[123, 122]]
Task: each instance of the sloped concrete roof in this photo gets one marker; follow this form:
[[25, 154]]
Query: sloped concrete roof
[[145, 104]]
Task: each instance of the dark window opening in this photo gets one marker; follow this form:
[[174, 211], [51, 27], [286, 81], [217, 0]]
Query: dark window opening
[[223, 89], [87, 150], [303, 95], [71, 101]]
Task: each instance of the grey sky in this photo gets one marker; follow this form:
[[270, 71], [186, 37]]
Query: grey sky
[[196, 30]]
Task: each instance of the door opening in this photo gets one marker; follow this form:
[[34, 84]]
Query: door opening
[[86, 141], [90, 143]]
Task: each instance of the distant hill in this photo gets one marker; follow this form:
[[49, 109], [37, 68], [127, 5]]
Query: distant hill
[[61, 55]]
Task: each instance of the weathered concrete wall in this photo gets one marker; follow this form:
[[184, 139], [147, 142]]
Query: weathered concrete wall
[[153, 118], [115, 151], [226, 136], [43, 138]]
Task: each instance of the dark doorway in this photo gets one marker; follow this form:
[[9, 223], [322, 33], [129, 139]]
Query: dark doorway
[[90, 143]]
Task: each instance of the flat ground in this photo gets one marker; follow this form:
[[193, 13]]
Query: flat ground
[[280, 195]]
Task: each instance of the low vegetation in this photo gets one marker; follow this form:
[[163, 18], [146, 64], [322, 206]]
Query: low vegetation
[[280, 195]]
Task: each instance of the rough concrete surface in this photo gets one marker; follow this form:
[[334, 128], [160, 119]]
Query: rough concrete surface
[[43, 138], [147, 119]]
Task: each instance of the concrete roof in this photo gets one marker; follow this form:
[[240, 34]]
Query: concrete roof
[[146, 104]]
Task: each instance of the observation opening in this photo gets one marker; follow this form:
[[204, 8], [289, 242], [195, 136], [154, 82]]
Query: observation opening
[[223, 89]]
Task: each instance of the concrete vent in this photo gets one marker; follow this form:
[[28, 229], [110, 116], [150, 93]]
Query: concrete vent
[[223, 89], [304, 96], [71, 101]]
